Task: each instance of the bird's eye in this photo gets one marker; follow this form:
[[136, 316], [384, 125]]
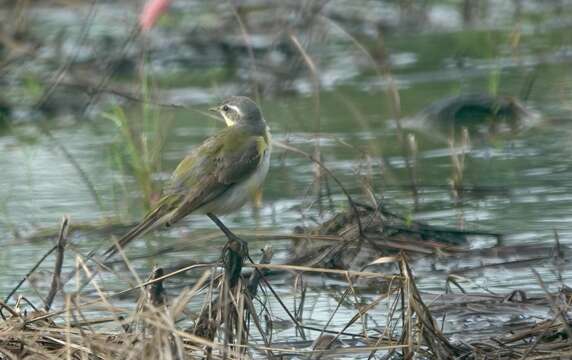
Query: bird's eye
[[225, 108]]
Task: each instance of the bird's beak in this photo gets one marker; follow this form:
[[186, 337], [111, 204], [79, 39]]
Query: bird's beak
[[214, 109]]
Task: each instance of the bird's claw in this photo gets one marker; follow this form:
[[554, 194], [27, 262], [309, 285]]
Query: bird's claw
[[237, 245]]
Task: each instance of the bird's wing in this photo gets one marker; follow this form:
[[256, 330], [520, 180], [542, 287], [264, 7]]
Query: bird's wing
[[240, 158], [206, 173], [213, 168]]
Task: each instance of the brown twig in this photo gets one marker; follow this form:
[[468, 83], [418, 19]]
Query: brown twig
[[248, 43], [56, 277], [331, 174], [64, 68], [32, 270]]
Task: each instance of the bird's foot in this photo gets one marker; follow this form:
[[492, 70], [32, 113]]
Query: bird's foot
[[234, 253], [234, 243], [237, 245]]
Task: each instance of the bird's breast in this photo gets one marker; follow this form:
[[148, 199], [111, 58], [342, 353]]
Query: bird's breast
[[235, 197]]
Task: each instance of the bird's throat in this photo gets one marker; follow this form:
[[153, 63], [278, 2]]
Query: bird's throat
[[228, 121]]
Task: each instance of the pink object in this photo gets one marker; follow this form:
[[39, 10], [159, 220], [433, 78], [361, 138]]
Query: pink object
[[151, 12]]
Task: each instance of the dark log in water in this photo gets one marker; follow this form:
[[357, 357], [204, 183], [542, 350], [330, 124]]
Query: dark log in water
[[475, 110]]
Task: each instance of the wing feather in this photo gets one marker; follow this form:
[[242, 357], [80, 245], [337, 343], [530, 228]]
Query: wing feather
[[213, 168]]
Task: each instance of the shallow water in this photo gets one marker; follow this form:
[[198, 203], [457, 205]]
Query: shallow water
[[520, 181]]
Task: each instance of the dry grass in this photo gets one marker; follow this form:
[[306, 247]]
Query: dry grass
[[235, 321]]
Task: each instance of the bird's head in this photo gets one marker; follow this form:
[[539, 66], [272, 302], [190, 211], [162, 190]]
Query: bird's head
[[241, 111]]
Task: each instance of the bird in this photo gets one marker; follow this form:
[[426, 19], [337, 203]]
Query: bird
[[217, 177]]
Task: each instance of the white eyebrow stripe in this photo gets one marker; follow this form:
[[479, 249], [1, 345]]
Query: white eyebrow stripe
[[235, 108]]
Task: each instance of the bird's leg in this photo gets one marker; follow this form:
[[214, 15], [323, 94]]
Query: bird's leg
[[229, 234]]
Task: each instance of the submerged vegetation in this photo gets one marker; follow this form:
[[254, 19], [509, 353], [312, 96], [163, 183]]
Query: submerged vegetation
[[138, 149], [458, 111]]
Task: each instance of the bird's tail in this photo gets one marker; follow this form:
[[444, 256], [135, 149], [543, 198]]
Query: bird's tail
[[151, 220]]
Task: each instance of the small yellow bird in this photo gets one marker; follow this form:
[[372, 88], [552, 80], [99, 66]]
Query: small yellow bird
[[217, 177]]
